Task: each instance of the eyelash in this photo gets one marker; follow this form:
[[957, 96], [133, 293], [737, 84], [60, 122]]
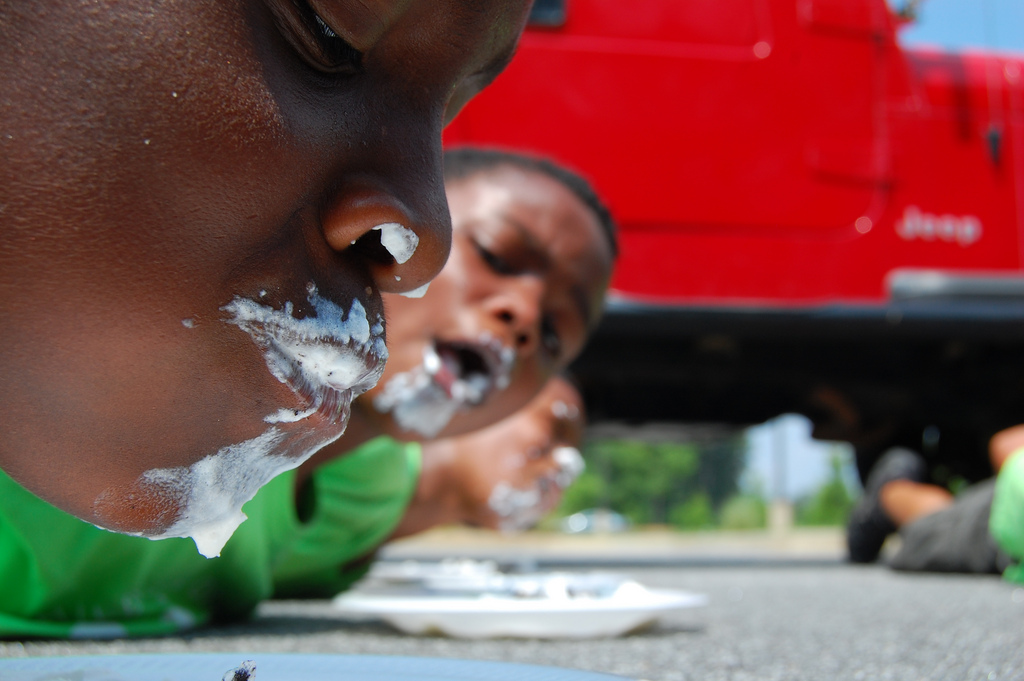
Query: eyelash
[[495, 262], [335, 47], [329, 51]]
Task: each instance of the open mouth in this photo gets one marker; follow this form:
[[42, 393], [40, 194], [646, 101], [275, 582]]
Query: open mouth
[[453, 375], [468, 372]]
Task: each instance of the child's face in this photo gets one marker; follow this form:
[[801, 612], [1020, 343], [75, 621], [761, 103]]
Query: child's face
[[513, 306], [514, 472], [184, 187]]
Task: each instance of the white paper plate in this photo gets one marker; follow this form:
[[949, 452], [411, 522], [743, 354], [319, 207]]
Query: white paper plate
[[211, 667], [490, 616], [410, 571], [531, 584]]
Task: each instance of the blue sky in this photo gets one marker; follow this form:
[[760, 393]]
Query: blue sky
[[805, 462], [960, 24]]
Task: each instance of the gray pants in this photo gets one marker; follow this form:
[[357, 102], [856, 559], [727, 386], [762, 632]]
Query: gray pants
[[956, 539]]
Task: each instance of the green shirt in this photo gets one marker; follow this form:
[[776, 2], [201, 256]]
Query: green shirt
[[61, 577], [357, 501], [65, 578], [1006, 523]]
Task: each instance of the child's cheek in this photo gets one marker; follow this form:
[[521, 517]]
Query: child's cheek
[[325, 358]]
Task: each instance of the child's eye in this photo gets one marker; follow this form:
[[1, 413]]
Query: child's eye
[[336, 54], [549, 338], [495, 262], [318, 43]]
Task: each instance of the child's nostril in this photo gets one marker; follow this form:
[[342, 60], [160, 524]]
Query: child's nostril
[[369, 246], [522, 339], [505, 316], [399, 241]]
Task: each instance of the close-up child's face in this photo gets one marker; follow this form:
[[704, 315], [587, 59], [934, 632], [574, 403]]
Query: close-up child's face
[[514, 472], [200, 205], [522, 290]]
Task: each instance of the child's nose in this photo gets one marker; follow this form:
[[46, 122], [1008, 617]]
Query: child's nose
[[517, 306], [404, 247]]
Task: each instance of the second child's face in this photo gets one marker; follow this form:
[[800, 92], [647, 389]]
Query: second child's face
[[201, 203], [521, 292]]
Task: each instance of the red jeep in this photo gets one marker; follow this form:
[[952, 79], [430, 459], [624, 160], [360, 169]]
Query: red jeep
[[813, 219]]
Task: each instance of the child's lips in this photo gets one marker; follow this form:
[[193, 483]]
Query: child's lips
[[328, 402], [325, 358], [452, 375], [469, 371]]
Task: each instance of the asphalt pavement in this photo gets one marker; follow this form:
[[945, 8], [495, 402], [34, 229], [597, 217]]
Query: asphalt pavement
[[774, 613]]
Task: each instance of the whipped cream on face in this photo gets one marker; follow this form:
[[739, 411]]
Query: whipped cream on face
[[570, 465], [416, 292], [210, 493], [415, 401], [327, 359], [329, 351], [425, 398], [399, 241], [561, 410], [506, 358], [521, 509]]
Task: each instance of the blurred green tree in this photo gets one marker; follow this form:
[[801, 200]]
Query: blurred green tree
[[831, 503], [694, 514], [747, 511], [589, 490], [680, 483]]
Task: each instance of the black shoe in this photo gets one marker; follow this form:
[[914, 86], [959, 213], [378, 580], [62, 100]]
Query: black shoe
[[869, 525]]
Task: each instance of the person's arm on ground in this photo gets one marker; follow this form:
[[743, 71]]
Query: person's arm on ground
[[437, 499], [1003, 444]]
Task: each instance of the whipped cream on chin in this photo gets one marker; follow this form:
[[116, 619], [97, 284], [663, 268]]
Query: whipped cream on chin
[[327, 359]]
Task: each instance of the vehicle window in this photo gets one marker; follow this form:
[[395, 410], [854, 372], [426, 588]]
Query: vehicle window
[[547, 13]]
